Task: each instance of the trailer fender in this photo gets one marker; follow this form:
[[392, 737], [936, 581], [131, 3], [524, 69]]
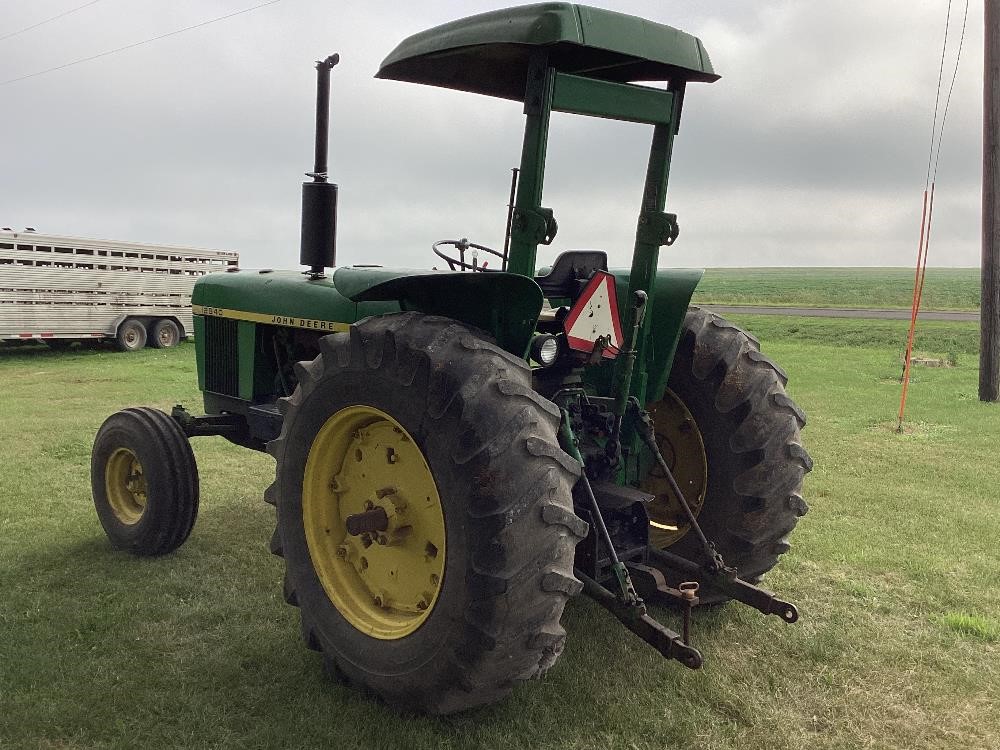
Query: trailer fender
[[112, 330], [505, 305]]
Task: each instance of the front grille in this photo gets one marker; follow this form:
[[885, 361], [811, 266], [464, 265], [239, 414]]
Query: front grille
[[221, 364]]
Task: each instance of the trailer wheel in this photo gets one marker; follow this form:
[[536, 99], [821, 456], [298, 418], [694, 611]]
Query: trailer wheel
[[424, 512], [731, 436], [166, 334], [145, 481], [131, 335]]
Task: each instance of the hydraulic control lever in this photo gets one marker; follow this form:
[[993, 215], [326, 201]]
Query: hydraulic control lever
[[614, 446]]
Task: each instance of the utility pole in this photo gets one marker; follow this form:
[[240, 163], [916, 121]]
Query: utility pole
[[989, 308]]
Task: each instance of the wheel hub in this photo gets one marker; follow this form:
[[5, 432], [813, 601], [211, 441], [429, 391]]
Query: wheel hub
[[365, 474], [125, 485], [683, 449]]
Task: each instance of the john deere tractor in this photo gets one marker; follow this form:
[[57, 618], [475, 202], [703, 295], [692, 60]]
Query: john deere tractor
[[459, 452]]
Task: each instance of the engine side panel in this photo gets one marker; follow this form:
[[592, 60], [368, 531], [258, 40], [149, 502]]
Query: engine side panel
[[245, 320]]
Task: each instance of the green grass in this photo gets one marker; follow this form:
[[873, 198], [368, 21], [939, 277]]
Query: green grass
[[971, 625], [932, 337], [894, 571], [944, 288]]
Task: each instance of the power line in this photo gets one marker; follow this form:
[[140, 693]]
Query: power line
[[138, 44], [923, 247], [951, 88], [937, 134], [937, 96], [49, 20]]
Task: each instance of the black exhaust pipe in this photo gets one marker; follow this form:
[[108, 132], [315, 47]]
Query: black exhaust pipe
[[319, 197]]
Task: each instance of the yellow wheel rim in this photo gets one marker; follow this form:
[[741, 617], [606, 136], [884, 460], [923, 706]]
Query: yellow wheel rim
[[384, 583], [125, 486], [683, 449]]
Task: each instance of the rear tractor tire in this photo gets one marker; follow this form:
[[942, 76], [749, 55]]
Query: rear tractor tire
[[730, 435], [166, 334], [131, 336], [145, 482], [428, 442]]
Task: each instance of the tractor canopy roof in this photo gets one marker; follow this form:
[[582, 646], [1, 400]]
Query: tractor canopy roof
[[489, 53]]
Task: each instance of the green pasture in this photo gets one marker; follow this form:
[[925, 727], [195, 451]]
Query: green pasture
[[944, 288], [894, 570]]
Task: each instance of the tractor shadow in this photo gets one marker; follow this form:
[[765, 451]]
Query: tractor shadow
[[212, 613]]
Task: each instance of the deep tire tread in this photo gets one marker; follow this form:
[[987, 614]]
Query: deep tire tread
[[520, 571], [171, 474], [763, 446]]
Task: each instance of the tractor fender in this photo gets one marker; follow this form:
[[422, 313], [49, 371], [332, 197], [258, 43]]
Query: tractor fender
[[671, 297], [664, 320], [505, 305]]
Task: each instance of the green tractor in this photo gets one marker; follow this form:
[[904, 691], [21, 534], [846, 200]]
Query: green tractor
[[461, 451]]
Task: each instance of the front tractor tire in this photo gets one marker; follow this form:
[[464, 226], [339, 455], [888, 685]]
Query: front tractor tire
[[731, 437], [428, 442], [144, 481]]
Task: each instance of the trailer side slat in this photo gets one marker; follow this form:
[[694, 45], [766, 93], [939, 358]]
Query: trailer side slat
[[49, 287], [97, 282]]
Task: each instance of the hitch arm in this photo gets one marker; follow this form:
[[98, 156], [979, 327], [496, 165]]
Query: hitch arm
[[727, 582], [627, 594], [663, 639], [211, 424]]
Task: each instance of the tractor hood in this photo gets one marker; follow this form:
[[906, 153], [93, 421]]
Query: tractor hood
[[503, 304]]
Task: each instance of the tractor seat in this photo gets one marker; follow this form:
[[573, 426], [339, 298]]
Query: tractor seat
[[571, 271]]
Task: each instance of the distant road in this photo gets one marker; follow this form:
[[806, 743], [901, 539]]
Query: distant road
[[843, 312]]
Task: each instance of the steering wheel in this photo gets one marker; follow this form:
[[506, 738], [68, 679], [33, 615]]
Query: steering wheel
[[463, 246]]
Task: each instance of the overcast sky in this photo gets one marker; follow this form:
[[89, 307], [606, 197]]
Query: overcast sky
[[811, 149]]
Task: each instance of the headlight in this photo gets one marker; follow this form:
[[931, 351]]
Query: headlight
[[544, 349]]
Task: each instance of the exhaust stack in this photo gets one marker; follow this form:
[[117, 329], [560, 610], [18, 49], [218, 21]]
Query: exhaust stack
[[319, 197]]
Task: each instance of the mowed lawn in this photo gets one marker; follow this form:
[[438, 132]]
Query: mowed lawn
[[894, 570], [944, 288]]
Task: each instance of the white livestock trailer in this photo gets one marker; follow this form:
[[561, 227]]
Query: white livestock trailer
[[58, 289]]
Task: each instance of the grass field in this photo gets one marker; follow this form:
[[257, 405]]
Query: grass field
[[944, 288], [894, 570]]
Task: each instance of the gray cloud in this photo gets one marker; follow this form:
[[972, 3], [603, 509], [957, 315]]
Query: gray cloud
[[810, 150]]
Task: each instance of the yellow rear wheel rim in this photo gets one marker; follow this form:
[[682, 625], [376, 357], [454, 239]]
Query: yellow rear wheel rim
[[384, 583], [125, 486], [683, 449]]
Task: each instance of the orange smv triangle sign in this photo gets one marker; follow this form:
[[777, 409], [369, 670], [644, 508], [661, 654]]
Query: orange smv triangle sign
[[595, 315]]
